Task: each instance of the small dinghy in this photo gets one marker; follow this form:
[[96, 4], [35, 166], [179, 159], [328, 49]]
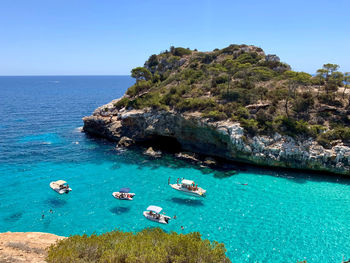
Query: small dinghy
[[189, 187], [153, 214], [124, 194], [60, 187]]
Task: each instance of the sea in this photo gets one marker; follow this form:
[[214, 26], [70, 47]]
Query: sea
[[260, 215]]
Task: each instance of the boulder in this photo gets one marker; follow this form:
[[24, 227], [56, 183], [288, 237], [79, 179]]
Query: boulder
[[210, 161], [125, 142], [152, 153], [188, 156]]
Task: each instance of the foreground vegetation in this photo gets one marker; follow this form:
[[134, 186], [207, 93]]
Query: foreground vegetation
[[149, 245], [243, 84]]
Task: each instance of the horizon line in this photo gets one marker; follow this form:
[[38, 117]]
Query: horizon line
[[108, 75]]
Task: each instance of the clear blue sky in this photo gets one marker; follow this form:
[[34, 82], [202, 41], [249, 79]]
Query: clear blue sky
[[105, 37]]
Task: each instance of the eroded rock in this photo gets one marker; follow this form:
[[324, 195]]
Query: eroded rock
[[153, 153], [225, 139], [125, 142]]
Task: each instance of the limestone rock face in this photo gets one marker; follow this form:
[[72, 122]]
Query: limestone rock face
[[224, 139]]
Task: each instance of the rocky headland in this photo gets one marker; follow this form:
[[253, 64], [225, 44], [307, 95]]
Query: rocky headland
[[211, 115]]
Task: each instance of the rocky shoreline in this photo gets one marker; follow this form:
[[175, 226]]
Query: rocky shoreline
[[225, 139], [25, 246]]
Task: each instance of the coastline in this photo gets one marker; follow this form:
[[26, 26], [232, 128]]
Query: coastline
[[223, 139]]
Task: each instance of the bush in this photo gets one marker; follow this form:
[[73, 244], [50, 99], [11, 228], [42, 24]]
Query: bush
[[139, 87], [149, 245], [303, 102], [263, 74], [180, 51], [220, 79], [196, 104], [338, 133], [121, 103], [251, 58], [238, 95], [242, 112], [215, 115], [250, 125]]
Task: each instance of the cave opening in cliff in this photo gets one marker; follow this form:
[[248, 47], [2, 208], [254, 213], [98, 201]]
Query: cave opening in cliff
[[163, 143]]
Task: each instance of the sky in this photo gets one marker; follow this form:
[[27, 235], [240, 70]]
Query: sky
[[110, 37]]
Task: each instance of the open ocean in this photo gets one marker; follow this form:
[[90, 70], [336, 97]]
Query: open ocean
[[277, 217]]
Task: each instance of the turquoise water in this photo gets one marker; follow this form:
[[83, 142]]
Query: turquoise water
[[276, 217]]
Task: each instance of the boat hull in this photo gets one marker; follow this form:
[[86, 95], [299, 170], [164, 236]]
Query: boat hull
[[161, 220], [60, 190], [116, 195], [198, 193]]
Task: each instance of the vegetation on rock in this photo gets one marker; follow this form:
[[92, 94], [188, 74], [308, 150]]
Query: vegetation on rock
[[243, 84], [149, 245]]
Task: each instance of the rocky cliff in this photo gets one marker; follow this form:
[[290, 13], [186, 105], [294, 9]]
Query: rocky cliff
[[236, 103], [226, 139]]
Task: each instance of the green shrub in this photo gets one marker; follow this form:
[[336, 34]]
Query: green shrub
[[239, 95], [121, 103], [215, 115], [262, 74], [221, 79], [196, 104], [251, 58], [303, 102], [250, 125], [338, 133], [149, 245], [242, 112], [293, 128], [139, 87], [180, 51], [315, 130]]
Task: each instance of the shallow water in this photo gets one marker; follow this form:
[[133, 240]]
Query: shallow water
[[277, 217]]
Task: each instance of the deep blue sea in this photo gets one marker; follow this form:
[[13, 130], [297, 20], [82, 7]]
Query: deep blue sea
[[276, 217]]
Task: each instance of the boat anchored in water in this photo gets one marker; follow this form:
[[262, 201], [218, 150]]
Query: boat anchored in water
[[124, 194], [188, 187], [153, 214], [60, 187]]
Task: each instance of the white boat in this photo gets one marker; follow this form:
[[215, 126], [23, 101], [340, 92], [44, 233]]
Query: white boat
[[124, 194], [60, 187], [153, 214], [189, 187]]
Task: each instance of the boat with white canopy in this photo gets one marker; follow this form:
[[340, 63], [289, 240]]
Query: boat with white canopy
[[189, 187], [153, 214], [124, 194], [60, 187]]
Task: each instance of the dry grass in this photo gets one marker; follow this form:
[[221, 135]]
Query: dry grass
[[25, 247]]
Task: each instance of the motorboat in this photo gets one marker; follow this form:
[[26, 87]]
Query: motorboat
[[124, 194], [60, 187], [153, 214], [189, 187]]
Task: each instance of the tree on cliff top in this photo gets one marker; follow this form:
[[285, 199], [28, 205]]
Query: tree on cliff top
[[216, 84], [141, 73]]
